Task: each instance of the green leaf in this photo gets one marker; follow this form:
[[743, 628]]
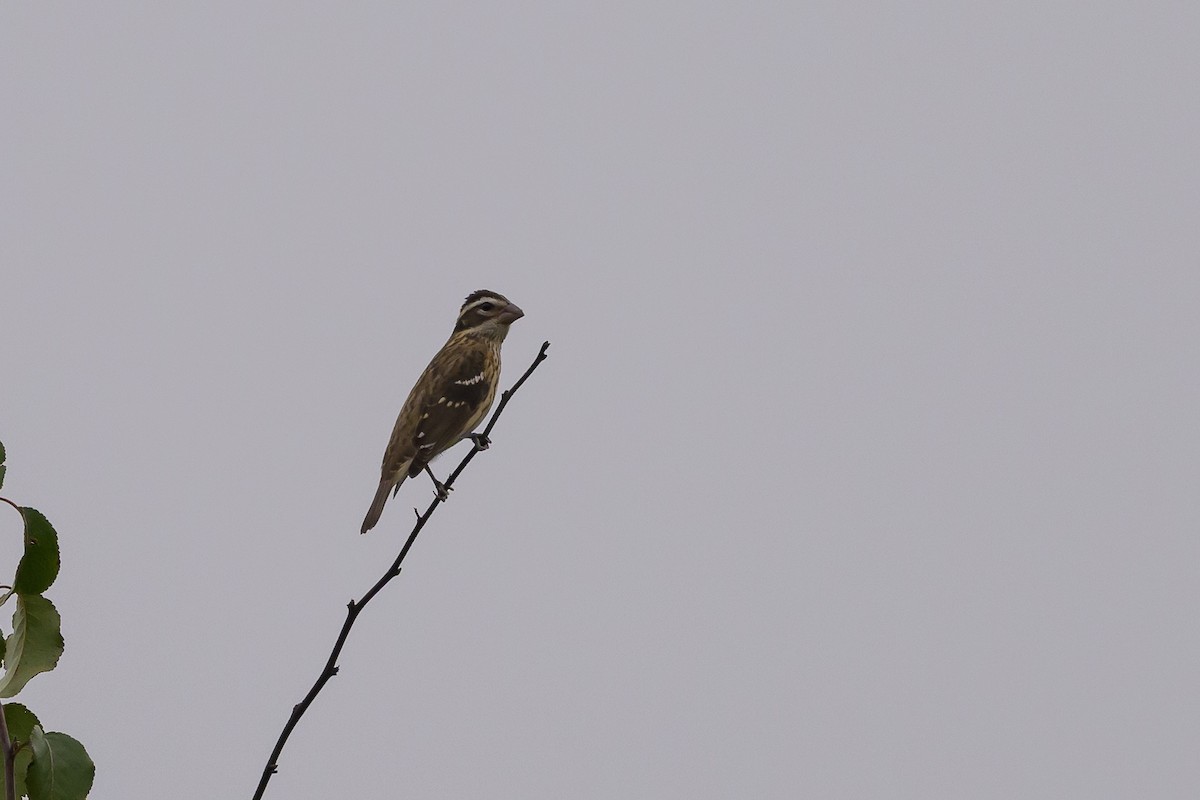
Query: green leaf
[[2, 467], [39, 565], [60, 770], [20, 721], [35, 644], [20, 726]]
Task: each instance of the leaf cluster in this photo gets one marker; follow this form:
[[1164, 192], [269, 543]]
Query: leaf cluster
[[34, 763]]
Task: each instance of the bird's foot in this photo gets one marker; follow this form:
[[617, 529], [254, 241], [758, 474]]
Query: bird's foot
[[481, 442], [443, 491]]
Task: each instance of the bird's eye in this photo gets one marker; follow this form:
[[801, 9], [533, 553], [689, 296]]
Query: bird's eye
[[486, 306]]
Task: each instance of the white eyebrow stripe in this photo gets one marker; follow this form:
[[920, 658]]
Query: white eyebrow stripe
[[470, 381], [493, 300]]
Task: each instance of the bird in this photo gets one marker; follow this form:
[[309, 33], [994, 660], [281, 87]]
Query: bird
[[450, 398]]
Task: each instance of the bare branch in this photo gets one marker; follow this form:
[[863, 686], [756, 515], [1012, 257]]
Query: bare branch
[[354, 607]]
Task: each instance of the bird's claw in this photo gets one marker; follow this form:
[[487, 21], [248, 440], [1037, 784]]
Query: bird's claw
[[481, 442], [443, 491]]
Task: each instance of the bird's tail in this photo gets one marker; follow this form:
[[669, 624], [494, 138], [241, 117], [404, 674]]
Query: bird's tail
[[386, 487]]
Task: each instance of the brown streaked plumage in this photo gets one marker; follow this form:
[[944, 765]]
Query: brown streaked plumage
[[450, 398]]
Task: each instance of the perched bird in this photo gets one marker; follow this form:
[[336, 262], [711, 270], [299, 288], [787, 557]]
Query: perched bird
[[450, 398]]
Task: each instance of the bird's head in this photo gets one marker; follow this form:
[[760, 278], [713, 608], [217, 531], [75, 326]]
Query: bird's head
[[487, 313]]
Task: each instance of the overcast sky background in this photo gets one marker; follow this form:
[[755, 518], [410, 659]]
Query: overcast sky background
[[864, 465]]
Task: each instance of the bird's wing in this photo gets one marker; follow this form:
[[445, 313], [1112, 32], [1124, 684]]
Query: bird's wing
[[453, 406]]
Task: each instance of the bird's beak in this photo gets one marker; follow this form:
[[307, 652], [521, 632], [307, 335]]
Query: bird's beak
[[511, 313]]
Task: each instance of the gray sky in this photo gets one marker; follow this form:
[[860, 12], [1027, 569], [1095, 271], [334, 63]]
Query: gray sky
[[865, 463]]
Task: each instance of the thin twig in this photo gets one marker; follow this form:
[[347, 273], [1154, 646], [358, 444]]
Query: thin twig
[[353, 608]]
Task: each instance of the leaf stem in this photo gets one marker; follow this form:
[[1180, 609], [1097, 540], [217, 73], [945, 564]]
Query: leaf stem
[[10, 758]]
